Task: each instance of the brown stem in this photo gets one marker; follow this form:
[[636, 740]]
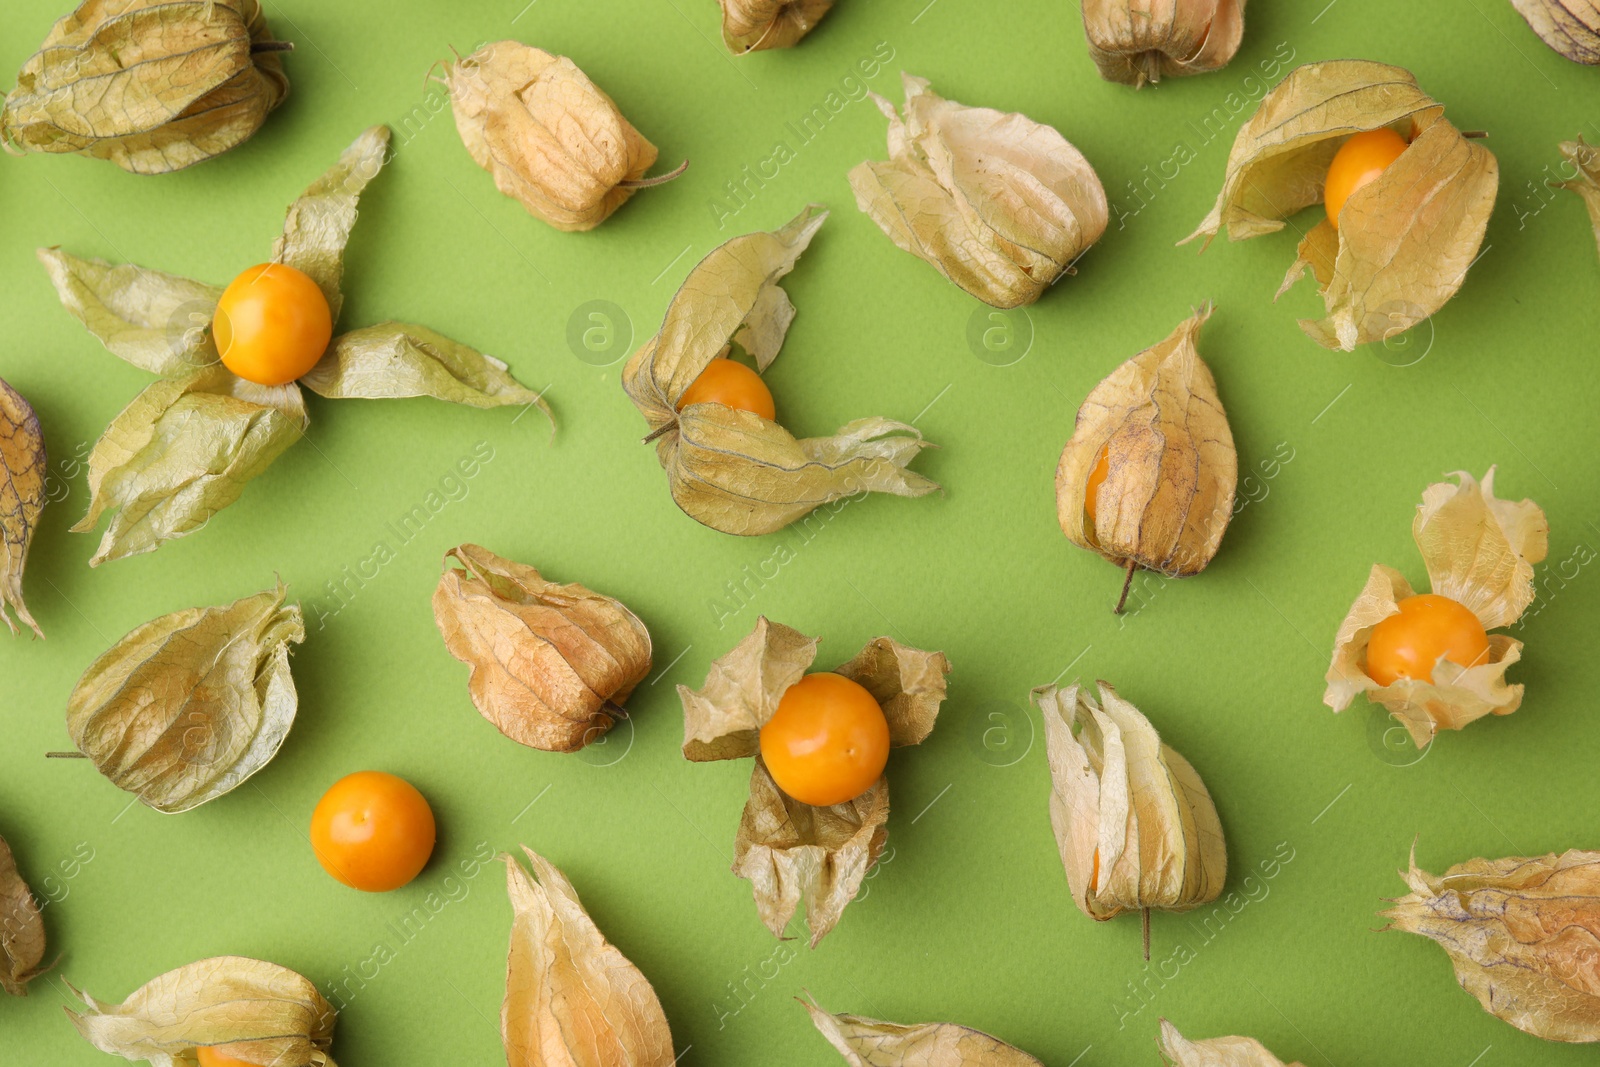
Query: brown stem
[[613, 709], [65, 755], [258, 47], [1474, 133], [1145, 918], [660, 179], [659, 431], [1148, 67], [1127, 583]]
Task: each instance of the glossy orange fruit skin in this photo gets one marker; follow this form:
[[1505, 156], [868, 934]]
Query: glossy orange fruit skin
[[211, 1057], [272, 324], [1409, 644], [732, 384], [372, 831], [828, 741], [1359, 161], [1091, 492]]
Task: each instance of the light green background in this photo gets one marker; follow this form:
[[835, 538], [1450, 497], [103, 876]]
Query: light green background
[[968, 917]]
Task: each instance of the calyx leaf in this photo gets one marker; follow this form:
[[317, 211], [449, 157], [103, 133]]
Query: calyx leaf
[[21, 928], [1138, 41], [247, 1009], [1179, 1051], [317, 227], [999, 204], [865, 1042], [23, 465], [552, 664], [572, 997], [187, 706], [1570, 27], [756, 25], [152, 85], [1585, 159]]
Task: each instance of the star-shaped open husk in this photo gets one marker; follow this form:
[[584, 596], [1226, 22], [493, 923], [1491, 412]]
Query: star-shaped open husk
[[1479, 551], [1584, 158], [1139, 41], [1571, 27], [791, 851], [1179, 1051], [756, 25], [1405, 240], [865, 1042], [21, 928]]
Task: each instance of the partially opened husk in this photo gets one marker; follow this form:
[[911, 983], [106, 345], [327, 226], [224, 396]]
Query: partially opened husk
[[1571, 27], [152, 85], [552, 664], [1585, 159], [1134, 823], [1523, 934], [756, 25], [865, 1042], [1172, 468], [1139, 41], [572, 998], [999, 204], [23, 465], [248, 1009], [791, 851], [21, 928], [1179, 1051], [1480, 552], [733, 470], [1405, 240], [187, 706], [552, 139]]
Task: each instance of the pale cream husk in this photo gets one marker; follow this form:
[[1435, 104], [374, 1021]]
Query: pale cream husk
[[1584, 158], [1571, 27], [999, 204], [865, 1042], [23, 466], [756, 25], [1139, 41], [1179, 1051], [1479, 551]]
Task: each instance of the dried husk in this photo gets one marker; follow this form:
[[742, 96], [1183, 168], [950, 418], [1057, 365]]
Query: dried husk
[[1404, 241], [187, 706], [733, 470], [1172, 468], [1523, 934], [552, 664], [255, 1011], [791, 851], [756, 25], [1571, 27], [23, 465], [552, 139], [1585, 158], [865, 1042], [1479, 551], [1135, 825], [152, 85], [21, 928], [572, 998], [1139, 41], [999, 204], [1179, 1051]]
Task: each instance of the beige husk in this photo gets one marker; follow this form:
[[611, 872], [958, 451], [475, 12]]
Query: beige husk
[[255, 1011], [21, 928], [791, 851], [1139, 41], [572, 998], [1585, 159], [23, 465], [1179, 1051], [1522, 934], [1479, 551], [756, 25], [999, 204], [1404, 241], [1571, 27], [151, 85], [865, 1042], [552, 664], [1134, 823], [1172, 468], [735, 471]]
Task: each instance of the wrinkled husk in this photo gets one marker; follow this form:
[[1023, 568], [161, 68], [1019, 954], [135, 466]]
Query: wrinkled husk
[[791, 851], [1586, 159], [756, 25], [1522, 933], [152, 85], [572, 998], [1571, 27], [999, 204], [258, 1012], [552, 664], [1139, 41], [1179, 1051], [552, 139], [21, 928], [865, 1042], [1134, 822], [23, 464], [1404, 241], [733, 470], [1172, 467], [318, 224], [1480, 552], [187, 706]]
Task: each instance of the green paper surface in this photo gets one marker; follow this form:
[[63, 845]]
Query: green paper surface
[[967, 918]]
